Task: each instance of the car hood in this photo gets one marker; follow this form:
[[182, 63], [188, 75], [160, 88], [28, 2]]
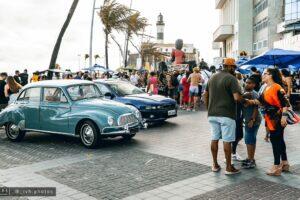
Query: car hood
[[106, 105], [149, 98]]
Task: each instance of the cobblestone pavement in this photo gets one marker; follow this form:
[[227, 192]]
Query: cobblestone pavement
[[170, 161]]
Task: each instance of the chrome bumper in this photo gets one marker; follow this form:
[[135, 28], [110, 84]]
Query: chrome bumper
[[123, 130]]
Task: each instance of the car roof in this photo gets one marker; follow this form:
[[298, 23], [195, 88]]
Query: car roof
[[108, 81], [57, 83]]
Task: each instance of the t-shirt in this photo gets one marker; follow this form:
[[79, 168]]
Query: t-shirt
[[17, 79], [3, 99], [24, 79], [248, 111], [221, 88]]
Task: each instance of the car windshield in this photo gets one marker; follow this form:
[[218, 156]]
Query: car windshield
[[123, 89], [79, 92]]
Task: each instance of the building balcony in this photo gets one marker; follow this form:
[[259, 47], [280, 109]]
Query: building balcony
[[223, 32], [220, 3]]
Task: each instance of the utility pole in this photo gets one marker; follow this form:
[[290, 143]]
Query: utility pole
[[126, 42], [91, 36]]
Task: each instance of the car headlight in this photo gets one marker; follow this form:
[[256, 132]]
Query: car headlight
[[110, 121], [148, 107], [138, 114]]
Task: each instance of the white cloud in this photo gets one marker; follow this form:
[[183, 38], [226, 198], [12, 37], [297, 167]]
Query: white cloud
[[29, 28]]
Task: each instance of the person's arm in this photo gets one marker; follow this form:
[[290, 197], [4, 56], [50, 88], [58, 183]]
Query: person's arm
[[6, 88], [289, 84], [206, 98]]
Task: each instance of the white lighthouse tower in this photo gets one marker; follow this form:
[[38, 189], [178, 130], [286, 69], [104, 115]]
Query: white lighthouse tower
[[160, 26]]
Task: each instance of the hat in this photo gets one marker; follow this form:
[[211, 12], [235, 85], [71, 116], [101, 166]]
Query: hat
[[229, 61]]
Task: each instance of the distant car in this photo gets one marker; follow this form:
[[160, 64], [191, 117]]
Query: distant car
[[72, 108], [154, 108]]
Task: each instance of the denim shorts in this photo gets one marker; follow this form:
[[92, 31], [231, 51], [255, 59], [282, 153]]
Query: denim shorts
[[194, 90], [222, 128], [250, 134]]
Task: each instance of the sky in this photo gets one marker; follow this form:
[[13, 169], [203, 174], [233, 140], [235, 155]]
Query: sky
[[29, 29]]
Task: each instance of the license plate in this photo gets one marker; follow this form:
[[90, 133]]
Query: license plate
[[171, 112]]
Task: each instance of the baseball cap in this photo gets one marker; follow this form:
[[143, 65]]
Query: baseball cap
[[229, 61]]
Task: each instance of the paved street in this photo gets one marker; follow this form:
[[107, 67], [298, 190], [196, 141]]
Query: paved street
[[171, 161]]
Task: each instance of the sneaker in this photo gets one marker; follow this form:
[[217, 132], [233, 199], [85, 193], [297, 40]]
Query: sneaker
[[232, 171], [194, 110], [249, 165], [188, 109], [236, 157]]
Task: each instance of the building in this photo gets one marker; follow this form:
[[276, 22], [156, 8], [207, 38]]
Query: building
[[192, 54], [247, 26], [289, 27]]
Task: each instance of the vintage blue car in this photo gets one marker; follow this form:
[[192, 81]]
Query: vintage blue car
[[72, 108], [154, 108]]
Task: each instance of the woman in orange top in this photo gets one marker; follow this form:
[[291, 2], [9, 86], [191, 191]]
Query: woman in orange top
[[275, 103]]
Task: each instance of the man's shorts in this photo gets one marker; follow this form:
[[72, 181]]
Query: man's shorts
[[194, 90], [222, 128], [250, 135]]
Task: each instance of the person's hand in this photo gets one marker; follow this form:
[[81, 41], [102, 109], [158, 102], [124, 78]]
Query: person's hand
[[250, 123], [283, 121], [247, 103]]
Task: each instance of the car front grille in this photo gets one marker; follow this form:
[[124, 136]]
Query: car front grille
[[127, 119], [170, 107]]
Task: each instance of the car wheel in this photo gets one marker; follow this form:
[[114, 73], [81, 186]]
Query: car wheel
[[89, 134], [128, 137], [14, 133]]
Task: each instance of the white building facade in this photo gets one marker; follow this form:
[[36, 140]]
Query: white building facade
[[247, 25]]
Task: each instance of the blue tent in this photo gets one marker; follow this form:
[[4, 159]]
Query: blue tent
[[278, 57]]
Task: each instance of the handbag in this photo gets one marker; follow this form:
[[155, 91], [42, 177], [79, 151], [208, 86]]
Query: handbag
[[292, 117]]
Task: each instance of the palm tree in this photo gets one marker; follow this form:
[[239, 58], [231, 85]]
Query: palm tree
[[135, 24], [60, 36], [114, 17]]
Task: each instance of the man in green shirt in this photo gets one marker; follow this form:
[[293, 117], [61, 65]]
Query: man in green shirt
[[221, 94]]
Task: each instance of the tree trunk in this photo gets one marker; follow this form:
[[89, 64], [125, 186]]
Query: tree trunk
[[60, 36], [106, 49]]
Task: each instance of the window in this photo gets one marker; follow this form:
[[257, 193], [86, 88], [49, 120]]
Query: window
[[255, 47], [292, 10], [265, 43], [261, 6], [31, 94], [79, 92], [261, 25], [103, 89], [54, 95], [259, 45]]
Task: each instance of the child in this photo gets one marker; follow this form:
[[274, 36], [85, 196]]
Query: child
[[252, 121]]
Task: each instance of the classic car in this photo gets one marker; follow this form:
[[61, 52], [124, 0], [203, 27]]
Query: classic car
[[154, 108], [70, 107]]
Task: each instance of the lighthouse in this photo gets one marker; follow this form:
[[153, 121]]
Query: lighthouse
[[160, 26]]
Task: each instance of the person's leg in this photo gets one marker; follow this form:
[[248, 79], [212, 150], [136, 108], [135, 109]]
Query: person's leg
[[216, 135], [214, 151], [275, 141], [228, 135], [227, 151], [195, 102]]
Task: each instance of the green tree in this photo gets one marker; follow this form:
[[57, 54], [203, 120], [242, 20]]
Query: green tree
[[114, 17], [60, 36]]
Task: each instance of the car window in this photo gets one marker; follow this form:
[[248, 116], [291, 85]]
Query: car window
[[54, 95], [123, 89], [79, 92], [103, 88], [31, 94], [22, 96]]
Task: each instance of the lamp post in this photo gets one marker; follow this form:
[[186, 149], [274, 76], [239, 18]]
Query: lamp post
[[91, 35], [126, 43]]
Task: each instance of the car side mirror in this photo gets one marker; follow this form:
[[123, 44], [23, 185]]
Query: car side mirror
[[109, 95]]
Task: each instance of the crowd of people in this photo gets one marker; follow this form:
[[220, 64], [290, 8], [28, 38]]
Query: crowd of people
[[238, 114]]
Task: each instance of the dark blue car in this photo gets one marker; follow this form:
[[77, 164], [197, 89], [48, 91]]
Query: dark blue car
[[154, 108]]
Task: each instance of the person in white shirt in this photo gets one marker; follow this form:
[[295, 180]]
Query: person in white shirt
[[134, 79]]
